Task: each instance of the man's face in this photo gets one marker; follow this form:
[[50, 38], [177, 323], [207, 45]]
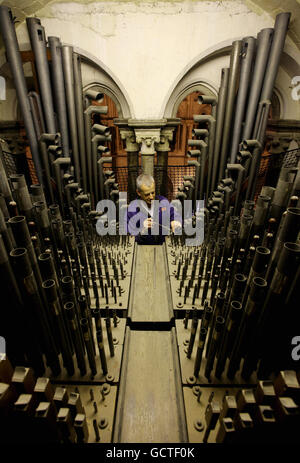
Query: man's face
[[147, 194]]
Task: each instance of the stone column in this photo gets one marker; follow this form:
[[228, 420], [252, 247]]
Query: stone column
[[147, 139], [163, 148], [132, 149]]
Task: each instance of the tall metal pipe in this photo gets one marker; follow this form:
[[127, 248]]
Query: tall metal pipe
[[38, 45], [240, 176], [203, 99], [59, 92], [67, 59], [44, 140], [212, 125], [235, 59], [219, 123], [95, 150], [197, 177], [202, 159], [264, 40], [79, 116], [4, 185], [280, 31], [246, 65], [256, 145], [88, 125], [100, 163], [261, 121], [14, 59], [37, 113]]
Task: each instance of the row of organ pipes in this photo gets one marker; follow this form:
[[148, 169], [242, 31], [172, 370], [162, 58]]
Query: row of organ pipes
[[68, 287]]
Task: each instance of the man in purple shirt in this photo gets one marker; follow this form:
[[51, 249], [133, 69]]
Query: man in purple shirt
[[150, 218]]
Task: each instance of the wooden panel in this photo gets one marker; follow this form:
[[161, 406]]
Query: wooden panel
[[150, 404], [150, 295], [186, 110]]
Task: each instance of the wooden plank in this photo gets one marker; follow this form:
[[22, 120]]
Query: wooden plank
[[150, 297], [150, 403]]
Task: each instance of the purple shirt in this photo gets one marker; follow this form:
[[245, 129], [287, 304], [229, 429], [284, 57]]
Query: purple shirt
[[163, 225]]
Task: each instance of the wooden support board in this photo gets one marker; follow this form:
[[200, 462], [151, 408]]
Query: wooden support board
[[150, 404], [150, 297]]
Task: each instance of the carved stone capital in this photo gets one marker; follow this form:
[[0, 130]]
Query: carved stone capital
[[147, 138], [166, 135], [129, 136]]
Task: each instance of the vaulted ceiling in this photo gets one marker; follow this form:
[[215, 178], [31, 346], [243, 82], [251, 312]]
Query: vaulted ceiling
[[23, 8]]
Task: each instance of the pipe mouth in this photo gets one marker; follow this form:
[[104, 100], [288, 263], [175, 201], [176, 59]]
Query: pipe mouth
[[203, 331], [258, 281], [245, 145], [66, 279], [17, 219], [48, 284], [44, 256], [81, 298], [220, 319], [240, 277], [17, 252], [69, 305], [264, 198], [292, 246], [83, 321], [294, 210], [208, 309], [262, 250], [236, 305]]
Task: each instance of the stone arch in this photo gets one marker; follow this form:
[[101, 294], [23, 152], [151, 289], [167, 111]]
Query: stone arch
[[97, 75], [192, 78]]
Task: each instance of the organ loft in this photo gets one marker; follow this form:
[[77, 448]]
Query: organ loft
[[149, 222]]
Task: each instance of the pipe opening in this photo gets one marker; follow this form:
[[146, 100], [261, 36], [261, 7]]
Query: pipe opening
[[292, 246], [18, 252], [262, 250], [83, 322], [258, 281], [17, 219], [236, 305], [69, 305], [294, 210], [48, 284]]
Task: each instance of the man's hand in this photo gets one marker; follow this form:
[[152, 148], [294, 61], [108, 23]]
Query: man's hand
[[175, 224], [147, 224]]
